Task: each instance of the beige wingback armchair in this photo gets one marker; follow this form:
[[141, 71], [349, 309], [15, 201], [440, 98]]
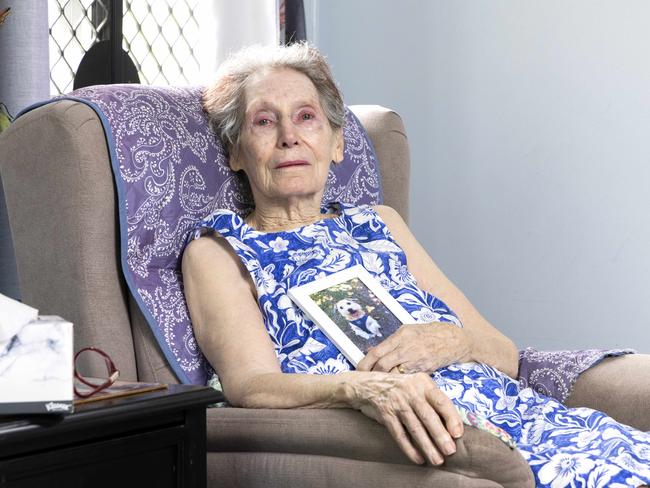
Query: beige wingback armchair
[[66, 237]]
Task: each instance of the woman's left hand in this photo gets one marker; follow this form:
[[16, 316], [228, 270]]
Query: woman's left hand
[[419, 348]]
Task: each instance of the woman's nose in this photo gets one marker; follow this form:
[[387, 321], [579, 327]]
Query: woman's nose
[[287, 136]]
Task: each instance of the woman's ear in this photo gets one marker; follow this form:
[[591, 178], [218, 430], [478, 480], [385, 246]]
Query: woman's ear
[[339, 146], [234, 159]]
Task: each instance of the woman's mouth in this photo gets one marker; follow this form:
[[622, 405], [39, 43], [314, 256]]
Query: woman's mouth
[[287, 164]]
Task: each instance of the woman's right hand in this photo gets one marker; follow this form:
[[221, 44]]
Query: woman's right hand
[[420, 417]]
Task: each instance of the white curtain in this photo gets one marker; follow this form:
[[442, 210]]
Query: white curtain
[[228, 25], [24, 80]]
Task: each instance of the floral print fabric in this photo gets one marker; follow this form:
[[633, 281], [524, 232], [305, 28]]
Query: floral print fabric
[[564, 447]]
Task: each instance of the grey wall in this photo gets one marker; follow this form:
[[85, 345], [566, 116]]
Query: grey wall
[[529, 128], [24, 79]]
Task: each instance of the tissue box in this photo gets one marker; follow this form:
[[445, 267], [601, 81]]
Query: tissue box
[[36, 370]]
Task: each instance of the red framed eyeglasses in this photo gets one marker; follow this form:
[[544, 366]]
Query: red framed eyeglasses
[[95, 385]]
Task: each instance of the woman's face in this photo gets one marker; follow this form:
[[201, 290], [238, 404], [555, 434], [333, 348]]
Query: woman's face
[[286, 142]]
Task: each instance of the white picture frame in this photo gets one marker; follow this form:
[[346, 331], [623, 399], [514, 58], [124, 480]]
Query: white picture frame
[[324, 302]]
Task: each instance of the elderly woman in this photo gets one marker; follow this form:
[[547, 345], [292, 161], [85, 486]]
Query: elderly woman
[[280, 115]]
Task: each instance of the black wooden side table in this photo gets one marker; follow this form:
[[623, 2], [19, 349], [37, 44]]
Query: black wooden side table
[[154, 439]]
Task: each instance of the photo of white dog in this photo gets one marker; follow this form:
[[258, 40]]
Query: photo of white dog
[[361, 324]]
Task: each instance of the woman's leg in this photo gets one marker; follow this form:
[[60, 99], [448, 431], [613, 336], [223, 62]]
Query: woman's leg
[[618, 386]]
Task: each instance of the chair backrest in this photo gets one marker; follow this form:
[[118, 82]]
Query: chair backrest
[[62, 208]]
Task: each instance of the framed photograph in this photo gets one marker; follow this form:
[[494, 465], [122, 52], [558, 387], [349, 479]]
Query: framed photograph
[[352, 308]]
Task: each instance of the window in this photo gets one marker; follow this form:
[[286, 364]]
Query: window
[[161, 37]]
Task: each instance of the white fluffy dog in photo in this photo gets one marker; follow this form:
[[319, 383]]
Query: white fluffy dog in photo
[[361, 324]]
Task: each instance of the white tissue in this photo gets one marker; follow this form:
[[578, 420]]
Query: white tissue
[[13, 317]]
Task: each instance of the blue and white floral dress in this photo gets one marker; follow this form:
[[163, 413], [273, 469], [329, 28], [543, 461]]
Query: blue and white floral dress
[[564, 447]]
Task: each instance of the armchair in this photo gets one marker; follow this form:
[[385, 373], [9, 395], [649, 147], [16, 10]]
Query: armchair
[[62, 202]]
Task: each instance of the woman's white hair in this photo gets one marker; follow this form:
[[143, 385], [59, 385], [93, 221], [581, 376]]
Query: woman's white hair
[[224, 100]]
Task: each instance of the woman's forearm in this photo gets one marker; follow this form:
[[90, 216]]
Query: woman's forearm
[[495, 350], [282, 390]]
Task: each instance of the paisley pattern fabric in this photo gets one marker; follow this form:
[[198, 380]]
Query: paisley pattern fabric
[[564, 447], [171, 172], [553, 373]]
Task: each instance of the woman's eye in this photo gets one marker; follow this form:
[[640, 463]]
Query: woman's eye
[[307, 116], [263, 122]]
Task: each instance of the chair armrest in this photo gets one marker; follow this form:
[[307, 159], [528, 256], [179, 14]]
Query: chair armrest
[[62, 212], [348, 434]]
